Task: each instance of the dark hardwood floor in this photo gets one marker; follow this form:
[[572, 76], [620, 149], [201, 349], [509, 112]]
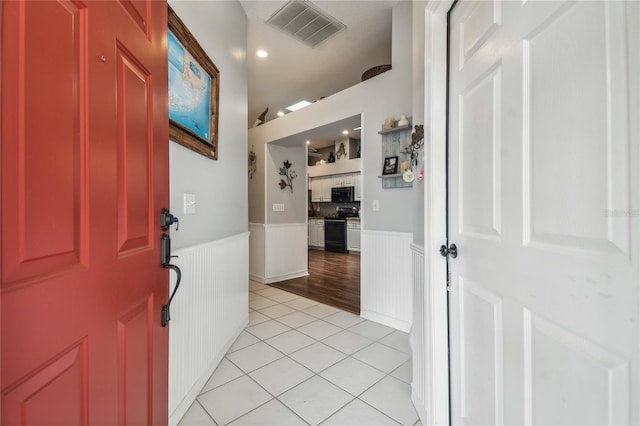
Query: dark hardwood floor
[[334, 279]]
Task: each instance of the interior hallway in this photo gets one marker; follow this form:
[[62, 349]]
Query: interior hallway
[[300, 362]]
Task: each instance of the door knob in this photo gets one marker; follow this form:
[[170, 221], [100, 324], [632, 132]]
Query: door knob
[[452, 251]]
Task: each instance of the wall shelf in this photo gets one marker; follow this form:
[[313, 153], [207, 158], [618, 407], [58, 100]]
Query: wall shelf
[[395, 142], [394, 129]]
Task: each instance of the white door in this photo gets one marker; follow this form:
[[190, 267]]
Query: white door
[[544, 208]]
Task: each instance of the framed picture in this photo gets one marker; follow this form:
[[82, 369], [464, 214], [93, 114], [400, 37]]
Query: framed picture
[[390, 166], [194, 86]]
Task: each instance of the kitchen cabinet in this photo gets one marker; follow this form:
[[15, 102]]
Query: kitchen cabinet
[[343, 180], [316, 191], [321, 186], [357, 183], [321, 189], [353, 235], [316, 233]]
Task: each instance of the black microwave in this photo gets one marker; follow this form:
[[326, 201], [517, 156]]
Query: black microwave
[[342, 195]]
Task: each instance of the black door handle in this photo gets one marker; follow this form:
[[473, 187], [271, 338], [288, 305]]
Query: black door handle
[[452, 251]]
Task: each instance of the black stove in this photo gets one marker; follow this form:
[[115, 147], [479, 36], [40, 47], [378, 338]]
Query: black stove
[[335, 229]]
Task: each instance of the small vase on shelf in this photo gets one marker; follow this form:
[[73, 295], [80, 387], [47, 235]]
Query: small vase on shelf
[[403, 121], [331, 158]]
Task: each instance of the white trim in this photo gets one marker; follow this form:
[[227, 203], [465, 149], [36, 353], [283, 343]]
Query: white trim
[[392, 234], [285, 251], [258, 278], [283, 277], [222, 241], [183, 406], [385, 278], [437, 403], [386, 320], [283, 225], [417, 248], [256, 252]]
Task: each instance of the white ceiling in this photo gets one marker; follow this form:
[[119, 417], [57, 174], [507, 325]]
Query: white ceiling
[[294, 71], [326, 135]]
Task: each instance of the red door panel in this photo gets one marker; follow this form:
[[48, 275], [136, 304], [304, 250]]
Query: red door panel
[[84, 177], [139, 11], [135, 150], [44, 172], [55, 395], [135, 346]]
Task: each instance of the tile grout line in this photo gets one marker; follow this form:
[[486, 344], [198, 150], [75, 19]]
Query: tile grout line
[[314, 373]]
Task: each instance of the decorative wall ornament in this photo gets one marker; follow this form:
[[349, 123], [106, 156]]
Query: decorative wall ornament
[[289, 176], [341, 152], [252, 163], [417, 141], [417, 138]]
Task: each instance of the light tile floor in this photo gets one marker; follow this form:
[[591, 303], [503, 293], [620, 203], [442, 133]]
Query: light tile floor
[[299, 362]]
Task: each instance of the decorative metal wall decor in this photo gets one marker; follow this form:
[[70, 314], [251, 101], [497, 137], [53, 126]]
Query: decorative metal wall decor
[[288, 176], [252, 163]]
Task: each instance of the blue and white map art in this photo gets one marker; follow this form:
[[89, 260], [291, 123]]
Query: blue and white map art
[[189, 91]]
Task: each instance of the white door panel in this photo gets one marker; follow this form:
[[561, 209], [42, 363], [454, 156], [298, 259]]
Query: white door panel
[[543, 206]]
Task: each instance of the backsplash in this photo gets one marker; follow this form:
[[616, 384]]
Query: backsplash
[[329, 209]]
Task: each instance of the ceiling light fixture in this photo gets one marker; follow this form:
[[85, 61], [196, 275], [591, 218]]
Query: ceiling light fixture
[[345, 132], [308, 142], [262, 53], [298, 106], [280, 113]]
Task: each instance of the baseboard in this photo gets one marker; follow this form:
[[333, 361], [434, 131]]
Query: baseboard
[[419, 405], [285, 277], [385, 320], [190, 397], [257, 278]]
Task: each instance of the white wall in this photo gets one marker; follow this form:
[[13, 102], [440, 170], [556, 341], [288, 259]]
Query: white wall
[[388, 94], [295, 202], [207, 315], [220, 186], [419, 7], [215, 284]]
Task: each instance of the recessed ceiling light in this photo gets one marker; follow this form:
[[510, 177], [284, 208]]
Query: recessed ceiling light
[[345, 132], [280, 113], [298, 106], [308, 142], [262, 53]]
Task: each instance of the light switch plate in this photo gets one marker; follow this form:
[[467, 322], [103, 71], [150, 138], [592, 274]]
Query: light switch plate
[[278, 207], [376, 205], [189, 203]]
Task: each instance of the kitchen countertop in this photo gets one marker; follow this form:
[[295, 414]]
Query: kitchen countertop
[[355, 219]]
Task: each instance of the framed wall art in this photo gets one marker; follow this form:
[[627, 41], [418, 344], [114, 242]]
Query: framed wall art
[[194, 86], [390, 166]]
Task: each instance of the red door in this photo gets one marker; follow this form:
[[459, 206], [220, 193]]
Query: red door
[[84, 177]]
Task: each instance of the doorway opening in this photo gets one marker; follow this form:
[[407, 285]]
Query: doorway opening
[[333, 203]]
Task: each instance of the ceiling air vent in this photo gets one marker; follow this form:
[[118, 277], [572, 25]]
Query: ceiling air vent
[[306, 22]]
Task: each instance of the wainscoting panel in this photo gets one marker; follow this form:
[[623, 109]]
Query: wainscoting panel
[[418, 334], [208, 312], [285, 252], [256, 252], [386, 284]]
